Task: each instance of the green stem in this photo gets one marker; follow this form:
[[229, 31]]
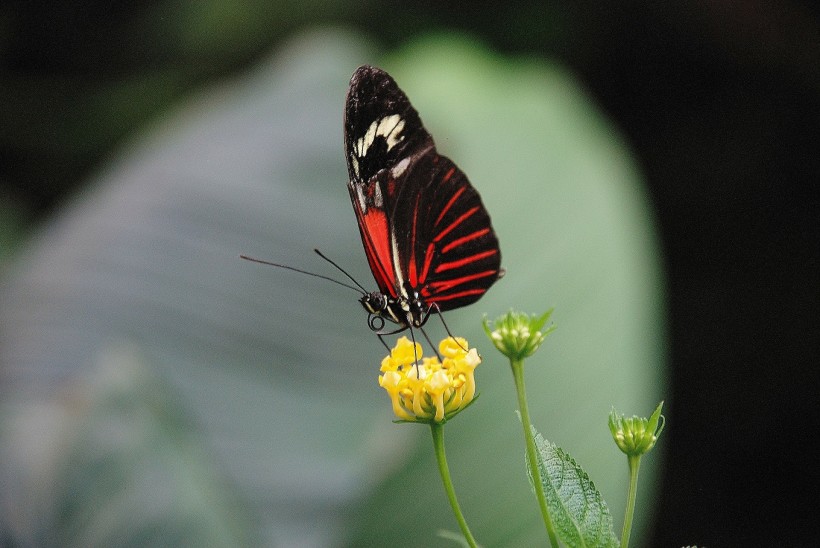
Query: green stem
[[438, 443], [532, 455], [634, 466]]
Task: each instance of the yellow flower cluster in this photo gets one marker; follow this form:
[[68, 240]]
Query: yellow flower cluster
[[433, 390]]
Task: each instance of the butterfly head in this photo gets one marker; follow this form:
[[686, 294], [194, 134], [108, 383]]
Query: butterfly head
[[374, 303], [406, 312]]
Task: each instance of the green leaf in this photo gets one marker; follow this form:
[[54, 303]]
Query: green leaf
[[278, 371], [133, 472], [579, 512]]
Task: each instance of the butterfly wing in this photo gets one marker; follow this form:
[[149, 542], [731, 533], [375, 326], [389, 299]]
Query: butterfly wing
[[381, 126], [381, 131], [423, 226], [448, 249]]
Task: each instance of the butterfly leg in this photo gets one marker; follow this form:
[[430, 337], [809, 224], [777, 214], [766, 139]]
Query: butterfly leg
[[426, 336], [415, 355], [434, 307], [381, 339]]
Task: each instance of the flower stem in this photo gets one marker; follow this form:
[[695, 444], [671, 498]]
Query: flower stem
[[438, 443], [532, 457], [634, 466]]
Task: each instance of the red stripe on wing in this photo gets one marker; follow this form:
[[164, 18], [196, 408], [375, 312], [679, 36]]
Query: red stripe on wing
[[430, 254], [465, 261], [428, 259], [377, 248], [463, 217], [446, 285], [452, 200], [466, 293], [464, 239]]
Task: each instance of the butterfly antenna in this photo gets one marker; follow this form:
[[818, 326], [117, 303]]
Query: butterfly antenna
[[358, 289], [342, 270]]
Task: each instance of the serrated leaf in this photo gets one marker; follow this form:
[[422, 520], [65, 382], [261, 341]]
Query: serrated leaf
[[578, 511]]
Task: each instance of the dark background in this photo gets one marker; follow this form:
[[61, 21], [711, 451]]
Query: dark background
[[719, 100]]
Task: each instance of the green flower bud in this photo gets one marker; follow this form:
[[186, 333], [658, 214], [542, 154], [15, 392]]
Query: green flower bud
[[636, 435], [518, 335]]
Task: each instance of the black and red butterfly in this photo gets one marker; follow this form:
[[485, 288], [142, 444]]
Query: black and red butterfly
[[428, 239]]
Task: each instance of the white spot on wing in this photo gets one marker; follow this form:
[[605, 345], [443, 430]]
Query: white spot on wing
[[367, 139], [362, 194], [399, 168], [389, 127], [360, 197]]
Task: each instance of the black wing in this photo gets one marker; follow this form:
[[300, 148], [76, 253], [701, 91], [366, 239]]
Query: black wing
[[381, 126], [423, 225], [448, 248]]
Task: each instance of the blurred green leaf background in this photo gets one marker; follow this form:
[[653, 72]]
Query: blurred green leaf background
[[154, 389]]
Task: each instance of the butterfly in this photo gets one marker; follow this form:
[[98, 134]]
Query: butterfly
[[428, 238]]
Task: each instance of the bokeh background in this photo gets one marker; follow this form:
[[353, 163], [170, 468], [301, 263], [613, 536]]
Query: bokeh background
[[651, 169]]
